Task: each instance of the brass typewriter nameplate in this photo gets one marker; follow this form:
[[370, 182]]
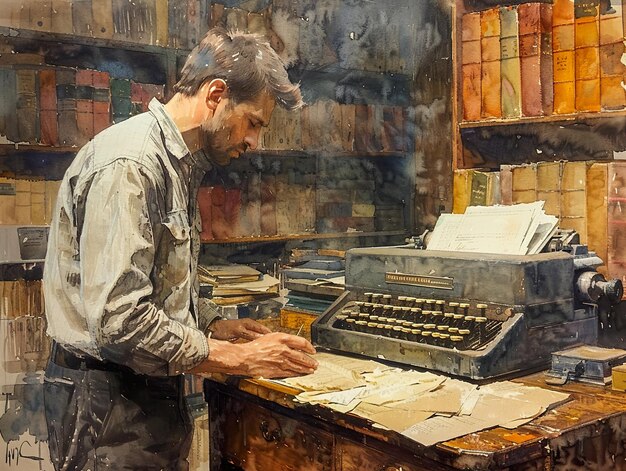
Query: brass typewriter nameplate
[[440, 282]]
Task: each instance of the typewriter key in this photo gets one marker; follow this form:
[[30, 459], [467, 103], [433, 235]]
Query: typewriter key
[[350, 324], [397, 332], [360, 326]]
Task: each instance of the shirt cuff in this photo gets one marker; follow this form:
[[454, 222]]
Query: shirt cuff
[[193, 351]]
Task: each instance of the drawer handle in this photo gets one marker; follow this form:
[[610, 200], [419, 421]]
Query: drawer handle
[[270, 435]]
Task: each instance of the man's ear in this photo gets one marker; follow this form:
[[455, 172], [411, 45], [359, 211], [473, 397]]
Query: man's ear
[[216, 90]]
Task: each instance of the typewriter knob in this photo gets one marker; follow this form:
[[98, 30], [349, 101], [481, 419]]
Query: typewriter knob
[[592, 285]]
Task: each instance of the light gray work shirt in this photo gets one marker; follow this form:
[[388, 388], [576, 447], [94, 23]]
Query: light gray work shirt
[[120, 278]]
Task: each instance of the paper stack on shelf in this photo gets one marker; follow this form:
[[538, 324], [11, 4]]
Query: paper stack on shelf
[[314, 285], [236, 281], [521, 229]]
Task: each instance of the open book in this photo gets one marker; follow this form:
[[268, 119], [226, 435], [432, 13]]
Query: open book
[[520, 229]]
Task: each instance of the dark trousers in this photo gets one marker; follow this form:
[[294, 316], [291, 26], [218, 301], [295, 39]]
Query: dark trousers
[[115, 420]]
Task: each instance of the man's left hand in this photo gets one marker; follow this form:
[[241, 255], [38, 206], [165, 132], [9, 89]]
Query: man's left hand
[[235, 329]]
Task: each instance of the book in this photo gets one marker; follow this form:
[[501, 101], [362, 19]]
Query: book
[[587, 55], [84, 105], [535, 36], [268, 205], [471, 66], [205, 208], [548, 186], [82, 17], [66, 107], [524, 183], [510, 63], [563, 56], [227, 274], [101, 101], [616, 221], [612, 95], [49, 131], [597, 210], [51, 193], [121, 105], [161, 12], [22, 201], [491, 92], [219, 227], [348, 127], [8, 104], [461, 187], [27, 110], [102, 15], [574, 198], [8, 193], [506, 184], [61, 16], [232, 210], [38, 202], [362, 128]]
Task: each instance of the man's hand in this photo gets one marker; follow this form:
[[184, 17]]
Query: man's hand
[[279, 355], [246, 329], [273, 355]]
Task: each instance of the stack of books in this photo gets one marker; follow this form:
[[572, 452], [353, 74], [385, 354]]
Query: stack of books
[[235, 284]]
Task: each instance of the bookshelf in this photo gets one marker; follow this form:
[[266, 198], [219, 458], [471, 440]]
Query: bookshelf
[[561, 137]]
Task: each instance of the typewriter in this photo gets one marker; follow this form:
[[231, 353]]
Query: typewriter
[[471, 315]]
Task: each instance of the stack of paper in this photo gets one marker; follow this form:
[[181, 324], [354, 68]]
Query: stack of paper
[[520, 229], [424, 406], [314, 285], [236, 280]]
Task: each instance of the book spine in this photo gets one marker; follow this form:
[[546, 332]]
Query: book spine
[[102, 14], [549, 175], [66, 107], [574, 198], [8, 104], [38, 202], [22, 202], [612, 95], [162, 17], [101, 101], [510, 61], [51, 193], [48, 107], [597, 210], [491, 92], [587, 54], [232, 211], [121, 105], [205, 207], [219, 227], [506, 184], [61, 16], [524, 183], [268, 205], [27, 113], [563, 56], [348, 127], [82, 17], [84, 104], [8, 196], [470, 66], [616, 221]]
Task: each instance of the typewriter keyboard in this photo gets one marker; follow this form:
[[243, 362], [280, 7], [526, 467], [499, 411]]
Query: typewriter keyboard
[[449, 324]]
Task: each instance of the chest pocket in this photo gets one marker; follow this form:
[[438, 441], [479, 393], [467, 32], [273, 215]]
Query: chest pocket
[[176, 248]]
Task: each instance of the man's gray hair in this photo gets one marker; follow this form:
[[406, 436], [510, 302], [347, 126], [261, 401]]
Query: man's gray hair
[[246, 62]]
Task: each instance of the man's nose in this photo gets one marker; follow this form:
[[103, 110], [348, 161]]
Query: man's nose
[[252, 140]]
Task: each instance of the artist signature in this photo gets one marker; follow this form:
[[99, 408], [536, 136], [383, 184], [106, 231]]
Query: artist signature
[[22, 450]]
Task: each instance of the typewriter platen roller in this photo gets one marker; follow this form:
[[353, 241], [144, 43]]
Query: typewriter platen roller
[[473, 315]]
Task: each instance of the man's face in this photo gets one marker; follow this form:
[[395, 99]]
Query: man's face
[[233, 129]]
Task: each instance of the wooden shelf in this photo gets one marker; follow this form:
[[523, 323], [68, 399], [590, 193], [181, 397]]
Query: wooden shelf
[[558, 118], [307, 236], [314, 152], [16, 34], [12, 149]]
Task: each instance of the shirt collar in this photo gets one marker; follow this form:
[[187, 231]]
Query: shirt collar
[[174, 141]]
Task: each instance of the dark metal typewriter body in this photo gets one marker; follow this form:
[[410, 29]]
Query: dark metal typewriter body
[[472, 315]]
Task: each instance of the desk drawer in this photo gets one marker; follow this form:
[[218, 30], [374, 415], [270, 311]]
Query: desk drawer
[[358, 457], [257, 439]]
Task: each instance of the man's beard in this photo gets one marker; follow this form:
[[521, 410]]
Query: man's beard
[[212, 136]]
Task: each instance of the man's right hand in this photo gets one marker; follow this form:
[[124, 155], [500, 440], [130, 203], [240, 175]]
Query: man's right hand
[[274, 355]]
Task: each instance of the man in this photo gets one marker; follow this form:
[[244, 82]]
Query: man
[[120, 273]]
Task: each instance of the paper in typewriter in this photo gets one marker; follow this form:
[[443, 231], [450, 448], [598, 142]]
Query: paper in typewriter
[[519, 229]]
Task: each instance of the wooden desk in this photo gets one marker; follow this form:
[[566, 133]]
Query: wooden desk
[[257, 426]]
